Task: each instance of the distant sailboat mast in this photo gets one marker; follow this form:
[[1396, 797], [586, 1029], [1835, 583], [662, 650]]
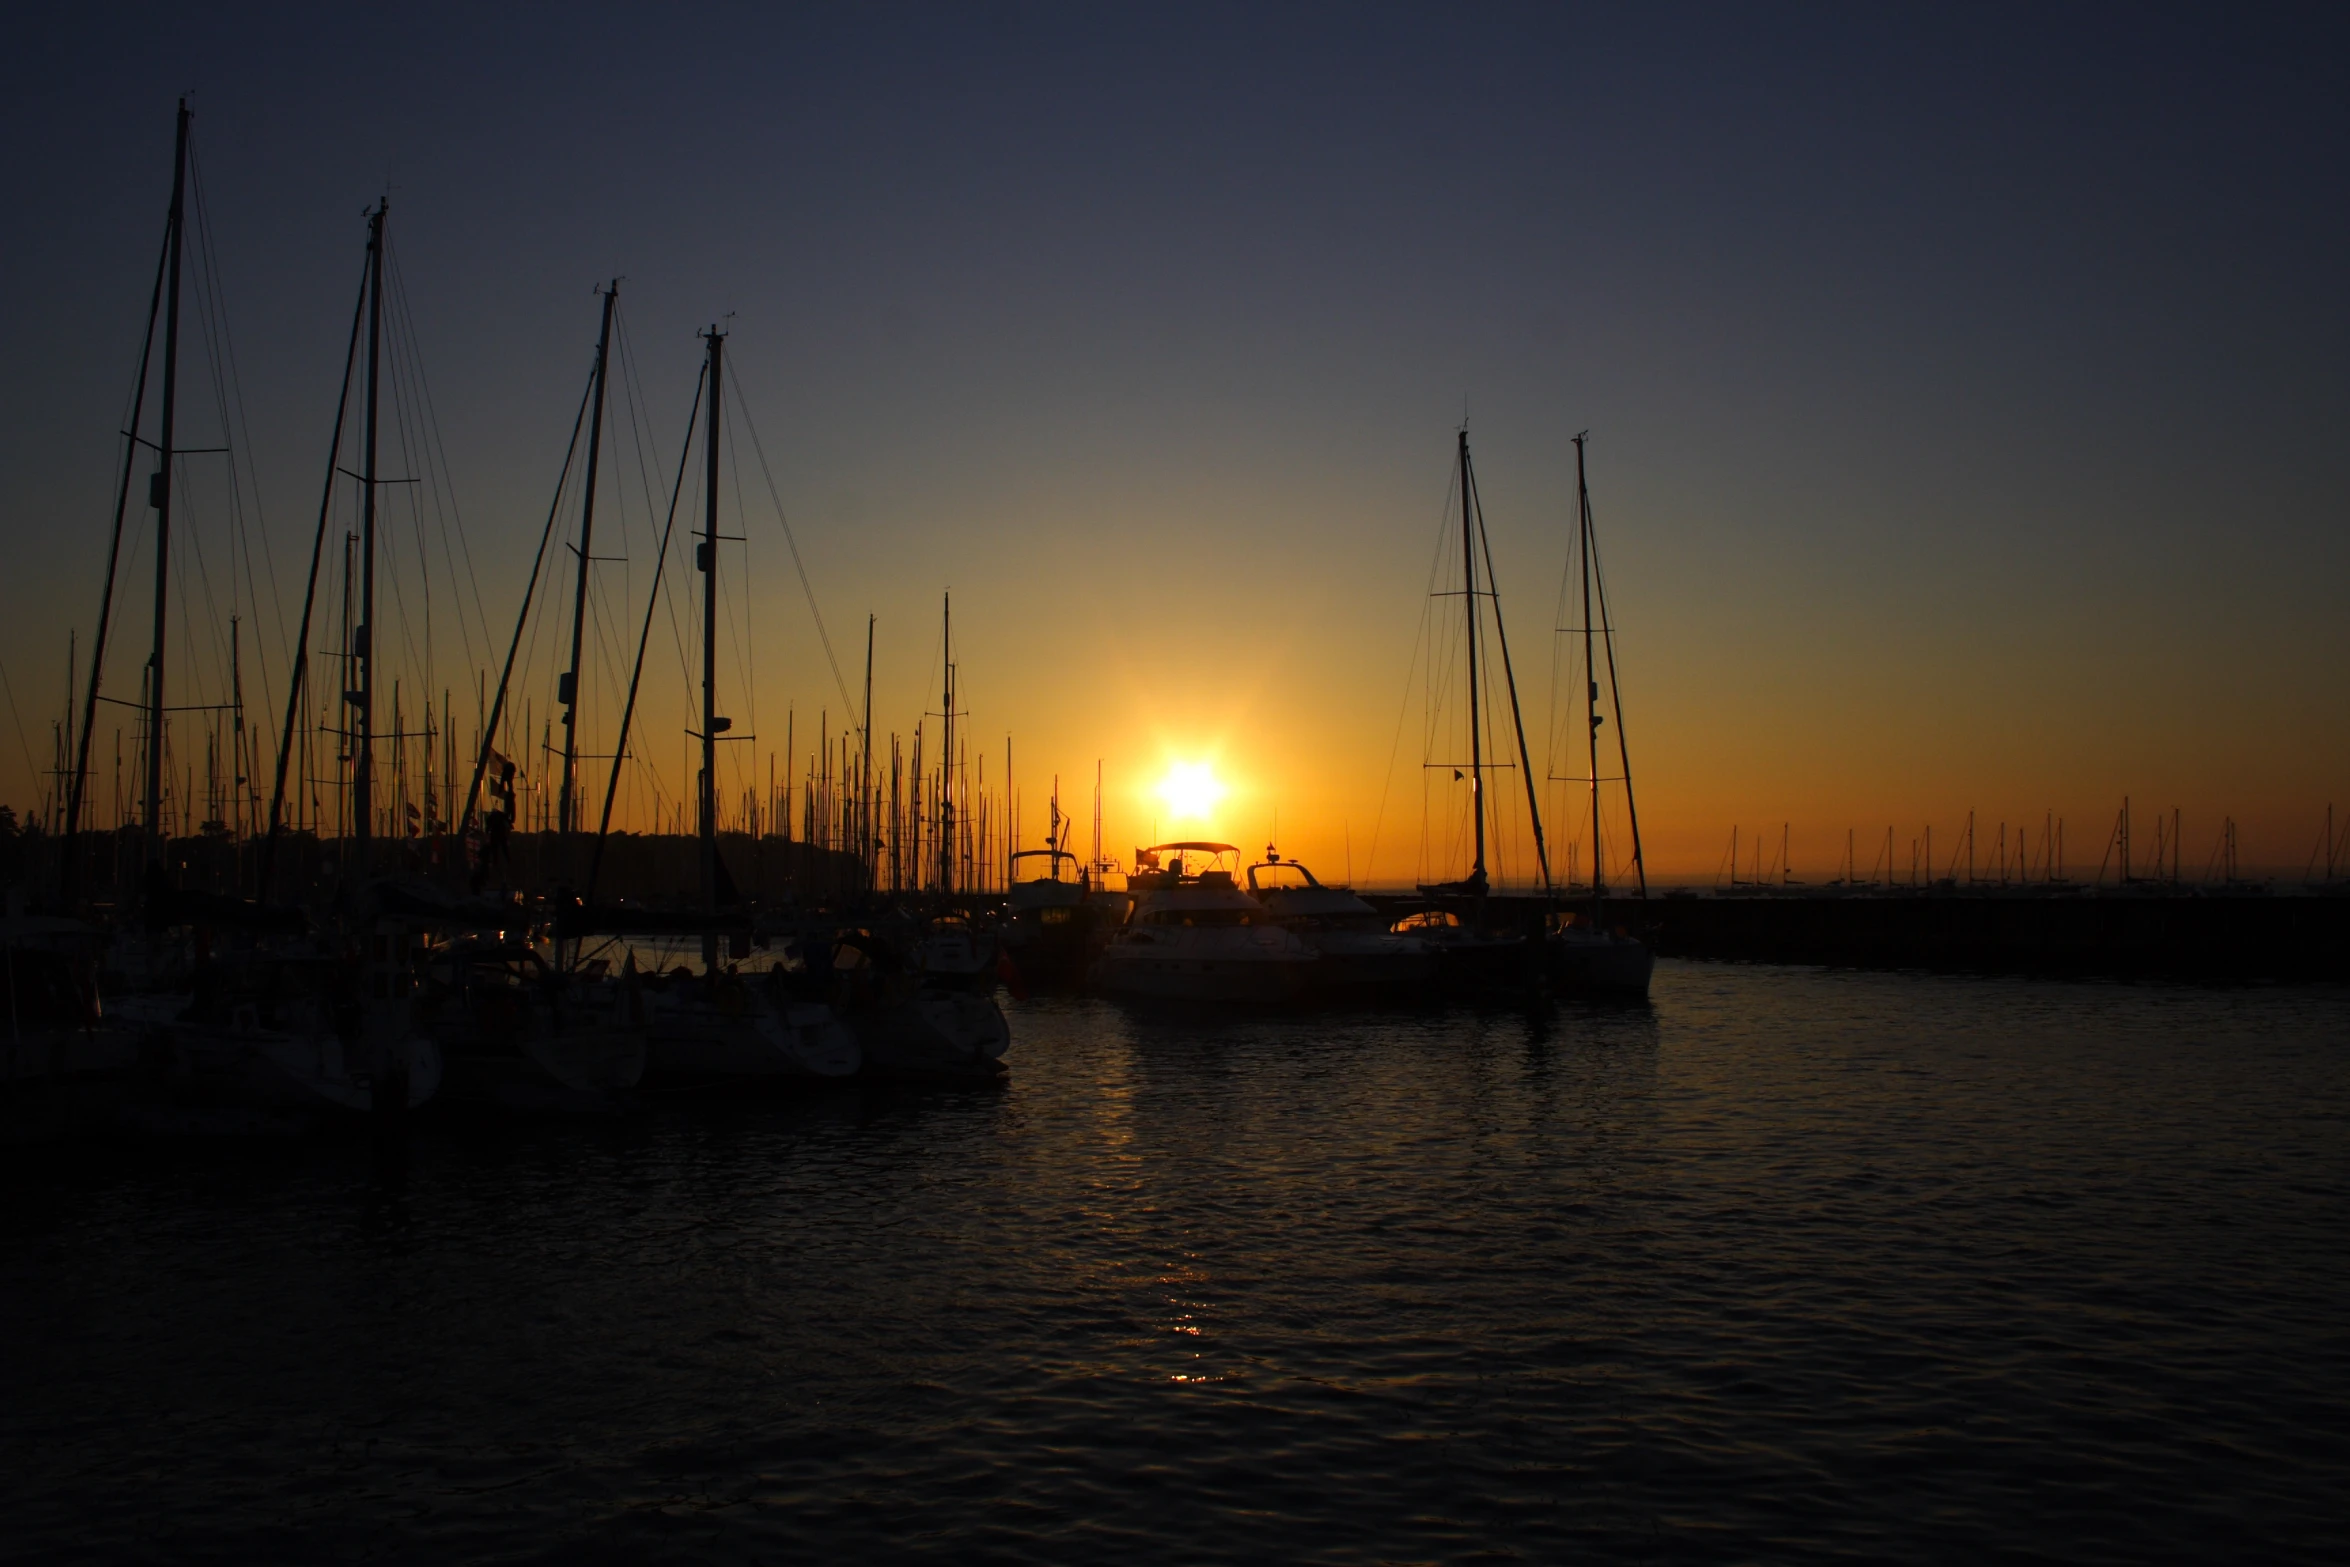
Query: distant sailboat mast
[[946, 764]]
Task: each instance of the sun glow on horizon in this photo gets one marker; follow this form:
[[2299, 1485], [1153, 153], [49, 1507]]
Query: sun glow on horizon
[[1190, 791]]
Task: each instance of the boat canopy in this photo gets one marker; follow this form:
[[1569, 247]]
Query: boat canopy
[[1274, 862], [1053, 869]]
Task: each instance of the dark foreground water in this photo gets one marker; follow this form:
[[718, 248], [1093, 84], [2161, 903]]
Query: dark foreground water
[[1794, 1265]]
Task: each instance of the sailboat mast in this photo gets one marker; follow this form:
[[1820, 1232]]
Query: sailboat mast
[[868, 844], [946, 764], [709, 789], [69, 860], [297, 685], [160, 497], [363, 641], [1476, 728], [567, 807], [1590, 674]]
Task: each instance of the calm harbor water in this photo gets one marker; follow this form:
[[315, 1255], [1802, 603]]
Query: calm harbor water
[[1791, 1264]]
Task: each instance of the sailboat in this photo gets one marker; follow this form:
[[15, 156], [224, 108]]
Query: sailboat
[[714, 1028], [1471, 954], [315, 1026], [518, 1029], [1195, 936], [1361, 956], [924, 1005], [1583, 953]]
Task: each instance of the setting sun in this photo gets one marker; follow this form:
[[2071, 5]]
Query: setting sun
[[1190, 791]]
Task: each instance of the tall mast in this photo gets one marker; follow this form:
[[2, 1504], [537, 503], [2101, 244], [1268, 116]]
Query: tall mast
[[1476, 727], [70, 860], [159, 495], [566, 811], [710, 720], [1590, 673], [363, 640], [295, 687]]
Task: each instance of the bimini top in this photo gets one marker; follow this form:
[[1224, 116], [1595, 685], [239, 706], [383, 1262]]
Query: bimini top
[[1153, 876], [1053, 857]]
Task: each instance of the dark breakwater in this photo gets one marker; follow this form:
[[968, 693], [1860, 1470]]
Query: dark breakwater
[[2148, 934]]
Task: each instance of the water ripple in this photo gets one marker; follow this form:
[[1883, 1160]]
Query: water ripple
[[1791, 1264]]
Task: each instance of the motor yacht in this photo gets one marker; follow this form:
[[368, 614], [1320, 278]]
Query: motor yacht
[[1052, 928], [1195, 935], [1360, 954]]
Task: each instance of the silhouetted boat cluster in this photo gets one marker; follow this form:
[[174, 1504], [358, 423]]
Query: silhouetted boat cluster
[[406, 981]]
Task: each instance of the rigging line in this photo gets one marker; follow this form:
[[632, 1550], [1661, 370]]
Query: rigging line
[[296, 677], [489, 728], [32, 767], [408, 418], [406, 317], [1509, 677], [1404, 708], [685, 673], [415, 426], [742, 412], [232, 393], [439, 490], [740, 640], [193, 537], [628, 712], [138, 401], [640, 424], [1615, 689]]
